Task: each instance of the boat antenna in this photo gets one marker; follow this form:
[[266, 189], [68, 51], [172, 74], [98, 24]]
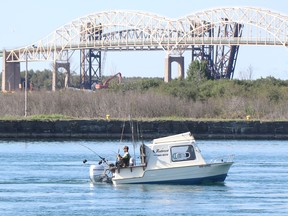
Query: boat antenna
[[123, 127], [139, 131], [133, 140]]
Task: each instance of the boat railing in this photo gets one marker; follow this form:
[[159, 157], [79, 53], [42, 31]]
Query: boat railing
[[224, 159]]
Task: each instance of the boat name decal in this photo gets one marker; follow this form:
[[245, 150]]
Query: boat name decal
[[161, 152]]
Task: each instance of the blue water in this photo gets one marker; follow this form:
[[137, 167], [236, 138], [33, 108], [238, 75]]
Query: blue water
[[49, 178]]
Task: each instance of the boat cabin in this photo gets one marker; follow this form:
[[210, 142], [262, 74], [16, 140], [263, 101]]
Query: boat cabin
[[173, 151]]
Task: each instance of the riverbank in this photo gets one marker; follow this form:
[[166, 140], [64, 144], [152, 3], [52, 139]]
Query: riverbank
[[112, 129]]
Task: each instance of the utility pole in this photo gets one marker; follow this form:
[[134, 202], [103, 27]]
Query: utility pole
[[26, 82]]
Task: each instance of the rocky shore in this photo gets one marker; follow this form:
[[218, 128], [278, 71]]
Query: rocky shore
[[113, 129]]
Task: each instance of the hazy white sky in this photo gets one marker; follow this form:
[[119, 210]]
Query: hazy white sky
[[25, 22]]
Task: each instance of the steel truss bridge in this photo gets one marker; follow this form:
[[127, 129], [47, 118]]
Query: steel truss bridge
[[211, 35]]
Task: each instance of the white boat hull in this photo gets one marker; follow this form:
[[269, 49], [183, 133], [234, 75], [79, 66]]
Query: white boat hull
[[215, 172], [169, 160]]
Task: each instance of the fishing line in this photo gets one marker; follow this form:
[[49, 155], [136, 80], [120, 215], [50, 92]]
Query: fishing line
[[84, 161], [123, 127]]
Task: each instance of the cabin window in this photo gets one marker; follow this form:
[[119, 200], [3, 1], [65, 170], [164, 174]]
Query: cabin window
[[182, 153]]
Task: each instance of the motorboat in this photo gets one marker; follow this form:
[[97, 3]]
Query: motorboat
[[173, 159]]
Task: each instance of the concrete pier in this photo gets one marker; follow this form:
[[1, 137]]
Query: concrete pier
[[108, 129], [168, 68], [10, 75]]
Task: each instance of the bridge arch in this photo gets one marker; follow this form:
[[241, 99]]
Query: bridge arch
[[262, 26], [135, 30]]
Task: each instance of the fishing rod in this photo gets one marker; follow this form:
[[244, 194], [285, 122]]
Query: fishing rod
[[102, 159]]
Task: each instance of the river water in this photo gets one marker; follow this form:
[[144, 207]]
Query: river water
[[40, 177]]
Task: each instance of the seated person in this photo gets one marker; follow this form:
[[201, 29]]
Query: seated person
[[123, 161]]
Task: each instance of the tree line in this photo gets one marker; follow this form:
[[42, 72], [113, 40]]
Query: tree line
[[196, 97]]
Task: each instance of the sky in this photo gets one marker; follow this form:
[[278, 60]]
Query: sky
[[25, 22]]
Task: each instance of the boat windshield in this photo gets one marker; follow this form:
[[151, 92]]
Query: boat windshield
[[182, 153]]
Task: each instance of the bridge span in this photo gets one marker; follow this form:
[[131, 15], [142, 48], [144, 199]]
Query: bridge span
[[212, 35]]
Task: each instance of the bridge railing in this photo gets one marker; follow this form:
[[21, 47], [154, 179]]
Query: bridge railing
[[47, 53]]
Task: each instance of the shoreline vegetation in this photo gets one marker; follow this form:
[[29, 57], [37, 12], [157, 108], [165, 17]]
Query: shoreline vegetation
[[152, 100], [263, 100]]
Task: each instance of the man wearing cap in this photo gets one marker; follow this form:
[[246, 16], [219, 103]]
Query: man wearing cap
[[124, 160]]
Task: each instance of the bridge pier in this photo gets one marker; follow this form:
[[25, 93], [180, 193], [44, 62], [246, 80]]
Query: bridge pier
[[168, 68], [10, 75], [66, 66]]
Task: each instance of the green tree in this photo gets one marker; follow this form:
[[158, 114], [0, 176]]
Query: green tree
[[197, 71]]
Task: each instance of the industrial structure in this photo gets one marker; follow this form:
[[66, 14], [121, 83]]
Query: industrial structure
[[221, 59], [212, 35]]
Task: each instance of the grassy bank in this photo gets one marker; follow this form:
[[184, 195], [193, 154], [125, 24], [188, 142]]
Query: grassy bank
[[264, 99]]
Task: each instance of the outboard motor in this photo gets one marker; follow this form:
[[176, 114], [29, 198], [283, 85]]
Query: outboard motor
[[97, 173], [131, 161]]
